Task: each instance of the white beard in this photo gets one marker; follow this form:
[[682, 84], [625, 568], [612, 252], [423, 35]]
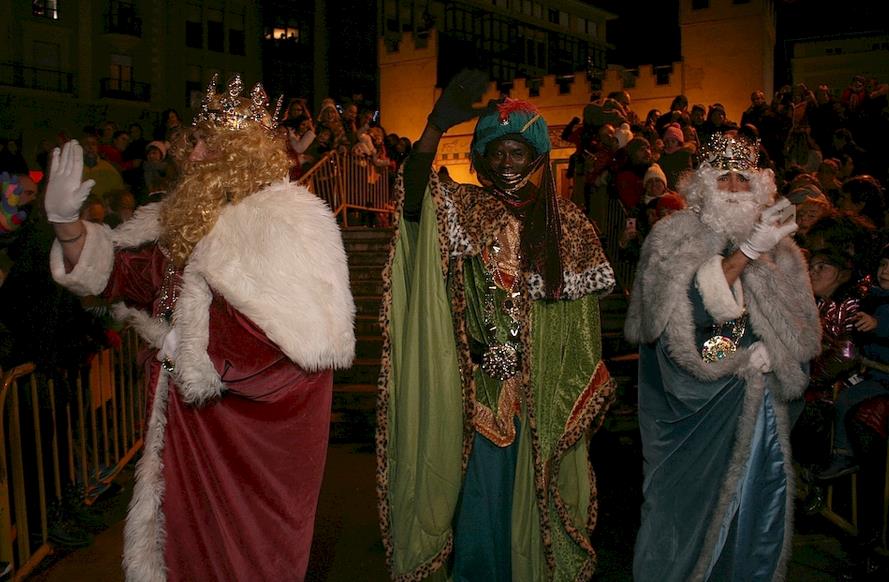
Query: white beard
[[732, 214]]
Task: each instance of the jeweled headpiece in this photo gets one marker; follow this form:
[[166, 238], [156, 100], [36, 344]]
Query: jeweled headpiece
[[228, 110], [730, 152], [511, 117]]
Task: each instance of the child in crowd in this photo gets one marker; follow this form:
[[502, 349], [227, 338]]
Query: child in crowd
[[872, 324]]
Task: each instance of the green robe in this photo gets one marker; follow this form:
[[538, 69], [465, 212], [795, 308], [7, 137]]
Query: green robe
[[429, 391]]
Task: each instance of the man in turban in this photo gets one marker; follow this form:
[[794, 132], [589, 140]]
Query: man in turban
[[238, 280], [724, 315], [492, 376]]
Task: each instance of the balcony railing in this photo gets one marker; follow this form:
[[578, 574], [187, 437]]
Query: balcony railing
[[18, 75], [123, 24], [124, 89]]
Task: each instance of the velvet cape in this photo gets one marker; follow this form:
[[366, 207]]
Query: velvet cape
[[236, 437]]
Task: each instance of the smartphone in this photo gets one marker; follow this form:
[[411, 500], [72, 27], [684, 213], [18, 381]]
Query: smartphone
[[787, 214]]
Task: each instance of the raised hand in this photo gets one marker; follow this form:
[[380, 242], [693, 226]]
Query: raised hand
[[455, 104], [65, 192], [768, 231]]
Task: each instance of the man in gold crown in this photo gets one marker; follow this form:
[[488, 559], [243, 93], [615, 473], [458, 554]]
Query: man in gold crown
[[239, 282], [726, 322]]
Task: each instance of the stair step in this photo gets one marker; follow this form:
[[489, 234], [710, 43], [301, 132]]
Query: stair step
[[364, 233], [363, 371], [367, 325], [368, 304], [376, 259], [369, 346], [353, 413], [367, 245], [360, 287], [365, 273]]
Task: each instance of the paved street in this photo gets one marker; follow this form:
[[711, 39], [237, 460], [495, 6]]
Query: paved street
[[347, 543]]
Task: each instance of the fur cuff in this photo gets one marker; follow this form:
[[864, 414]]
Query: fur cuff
[[151, 329], [143, 227], [90, 275], [196, 376], [719, 301]]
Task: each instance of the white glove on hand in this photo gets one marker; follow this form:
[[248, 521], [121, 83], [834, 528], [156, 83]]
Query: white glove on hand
[[171, 346], [767, 232], [65, 192], [759, 357]]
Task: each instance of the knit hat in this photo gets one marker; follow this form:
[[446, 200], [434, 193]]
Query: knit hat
[[623, 134], [162, 146], [673, 130], [654, 172], [511, 117]]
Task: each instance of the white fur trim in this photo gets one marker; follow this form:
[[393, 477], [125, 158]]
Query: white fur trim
[[196, 376], [278, 258], [719, 301], [90, 275], [144, 532], [153, 330], [143, 227]]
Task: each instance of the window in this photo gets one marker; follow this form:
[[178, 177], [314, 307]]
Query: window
[[700, 4], [553, 16], [215, 36], [194, 34], [45, 8], [121, 73], [236, 44]]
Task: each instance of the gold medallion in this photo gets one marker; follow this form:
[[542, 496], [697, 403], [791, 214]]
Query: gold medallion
[[718, 348]]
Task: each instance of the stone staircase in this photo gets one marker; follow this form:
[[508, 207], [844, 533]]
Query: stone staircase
[[354, 391]]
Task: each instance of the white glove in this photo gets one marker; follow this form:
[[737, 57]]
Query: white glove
[[759, 357], [65, 192], [767, 232], [171, 346]]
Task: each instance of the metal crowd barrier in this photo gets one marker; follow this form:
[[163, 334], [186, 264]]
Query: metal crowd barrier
[[348, 183], [58, 433]]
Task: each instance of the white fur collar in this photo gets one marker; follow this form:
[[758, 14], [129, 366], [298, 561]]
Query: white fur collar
[[278, 258]]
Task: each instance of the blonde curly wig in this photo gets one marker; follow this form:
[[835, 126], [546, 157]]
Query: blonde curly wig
[[239, 163]]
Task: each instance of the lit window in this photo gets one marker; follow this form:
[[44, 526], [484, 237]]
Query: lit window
[[45, 8]]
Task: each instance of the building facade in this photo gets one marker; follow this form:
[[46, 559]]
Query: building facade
[[66, 64]]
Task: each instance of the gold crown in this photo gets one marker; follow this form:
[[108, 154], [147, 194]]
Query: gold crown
[[730, 152], [228, 110]]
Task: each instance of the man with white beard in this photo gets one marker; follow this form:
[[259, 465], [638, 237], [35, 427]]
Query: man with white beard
[[726, 321]]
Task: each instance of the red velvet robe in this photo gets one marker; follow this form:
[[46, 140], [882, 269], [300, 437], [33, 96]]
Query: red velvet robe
[[242, 474]]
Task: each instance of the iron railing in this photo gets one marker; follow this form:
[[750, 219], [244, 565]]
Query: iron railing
[[349, 183], [18, 75]]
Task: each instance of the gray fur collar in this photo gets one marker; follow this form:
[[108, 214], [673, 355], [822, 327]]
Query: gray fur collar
[[776, 289]]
